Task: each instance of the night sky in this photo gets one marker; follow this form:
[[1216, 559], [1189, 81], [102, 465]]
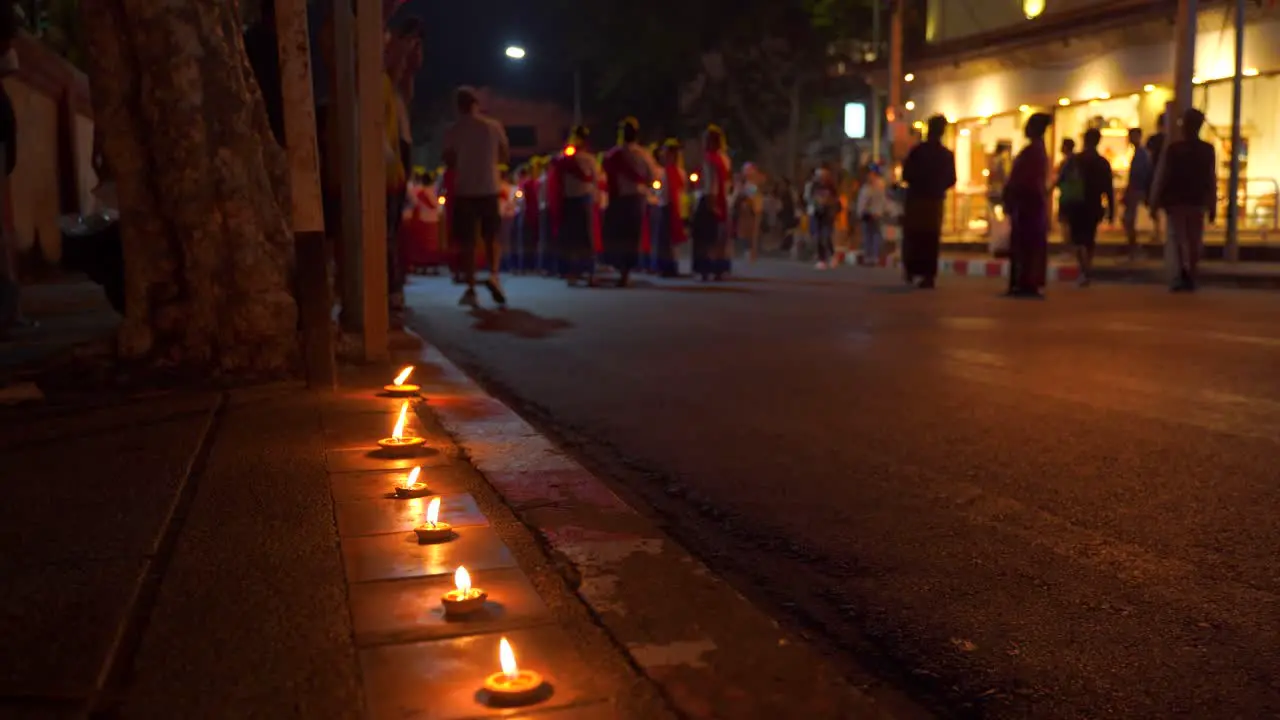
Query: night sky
[[466, 39]]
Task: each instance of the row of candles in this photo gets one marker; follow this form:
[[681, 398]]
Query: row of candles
[[512, 686]]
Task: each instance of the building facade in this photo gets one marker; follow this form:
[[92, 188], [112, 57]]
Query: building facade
[[1105, 64]]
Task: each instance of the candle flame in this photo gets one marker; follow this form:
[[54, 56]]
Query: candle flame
[[462, 581], [412, 478], [657, 185], [397, 433], [404, 375], [693, 177], [433, 516], [507, 657], [570, 151]]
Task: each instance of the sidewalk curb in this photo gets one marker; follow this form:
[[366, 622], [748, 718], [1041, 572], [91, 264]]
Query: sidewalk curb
[[625, 568], [965, 267]]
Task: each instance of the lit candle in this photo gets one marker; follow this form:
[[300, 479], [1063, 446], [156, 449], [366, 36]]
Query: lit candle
[[657, 184], [463, 599], [411, 487], [399, 387], [512, 686], [434, 531], [398, 442], [693, 177]]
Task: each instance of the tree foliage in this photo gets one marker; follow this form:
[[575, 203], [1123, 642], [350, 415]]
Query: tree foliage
[[744, 64]]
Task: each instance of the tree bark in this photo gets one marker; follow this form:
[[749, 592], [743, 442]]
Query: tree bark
[[202, 184]]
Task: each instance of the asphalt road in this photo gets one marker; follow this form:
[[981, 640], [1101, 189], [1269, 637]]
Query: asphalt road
[[1009, 508]]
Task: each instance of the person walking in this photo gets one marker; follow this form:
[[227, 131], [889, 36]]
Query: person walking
[[1155, 146], [1187, 192], [872, 208], [822, 198], [668, 226], [1068, 151], [630, 176], [1141, 171], [474, 147], [1090, 176], [711, 209], [929, 171], [1026, 199], [575, 170]]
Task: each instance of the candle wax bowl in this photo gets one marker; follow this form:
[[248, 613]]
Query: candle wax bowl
[[428, 534], [456, 605], [402, 390], [404, 445], [526, 688], [413, 491]]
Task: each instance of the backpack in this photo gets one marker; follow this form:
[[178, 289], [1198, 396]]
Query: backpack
[[1071, 183]]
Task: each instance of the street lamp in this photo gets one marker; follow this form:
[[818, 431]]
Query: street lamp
[[515, 52]]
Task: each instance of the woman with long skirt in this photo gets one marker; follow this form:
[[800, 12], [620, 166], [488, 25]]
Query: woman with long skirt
[[630, 175], [711, 212], [667, 221], [1026, 200], [575, 171]]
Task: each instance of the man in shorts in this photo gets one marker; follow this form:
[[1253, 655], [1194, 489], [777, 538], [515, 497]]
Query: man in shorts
[[474, 148]]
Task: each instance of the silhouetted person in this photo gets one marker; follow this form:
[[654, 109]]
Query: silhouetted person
[[929, 172], [1187, 192], [1026, 200]]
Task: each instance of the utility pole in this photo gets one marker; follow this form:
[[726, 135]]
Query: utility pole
[[345, 109], [293, 42], [877, 113], [1184, 69], [1233, 182], [373, 181], [897, 121]]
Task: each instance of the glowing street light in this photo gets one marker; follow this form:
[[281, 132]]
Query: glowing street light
[[515, 52]]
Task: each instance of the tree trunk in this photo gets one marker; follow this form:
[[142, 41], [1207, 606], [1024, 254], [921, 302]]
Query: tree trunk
[[203, 188]]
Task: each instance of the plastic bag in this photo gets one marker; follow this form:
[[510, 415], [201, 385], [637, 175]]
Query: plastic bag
[[999, 243]]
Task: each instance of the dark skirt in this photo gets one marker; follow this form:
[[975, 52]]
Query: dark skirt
[[1028, 250], [548, 257], [525, 248], [574, 240], [921, 236], [710, 241], [623, 230], [663, 259]]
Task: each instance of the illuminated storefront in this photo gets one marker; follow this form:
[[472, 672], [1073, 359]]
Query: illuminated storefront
[[1113, 81]]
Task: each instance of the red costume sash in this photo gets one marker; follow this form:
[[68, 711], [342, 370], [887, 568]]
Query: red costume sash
[[720, 202], [675, 197], [597, 223], [617, 165], [529, 191], [555, 193]]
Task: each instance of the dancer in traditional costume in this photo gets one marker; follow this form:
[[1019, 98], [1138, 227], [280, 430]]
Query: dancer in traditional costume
[[630, 177], [711, 210]]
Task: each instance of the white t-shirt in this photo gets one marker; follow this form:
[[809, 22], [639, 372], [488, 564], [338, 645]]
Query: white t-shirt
[[478, 144]]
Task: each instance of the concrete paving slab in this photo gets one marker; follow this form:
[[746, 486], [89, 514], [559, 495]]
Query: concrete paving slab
[[440, 479], [251, 618], [94, 490], [442, 680], [364, 430], [361, 401], [369, 458], [28, 709], [592, 711], [388, 557], [379, 517], [59, 622], [399, 611]]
